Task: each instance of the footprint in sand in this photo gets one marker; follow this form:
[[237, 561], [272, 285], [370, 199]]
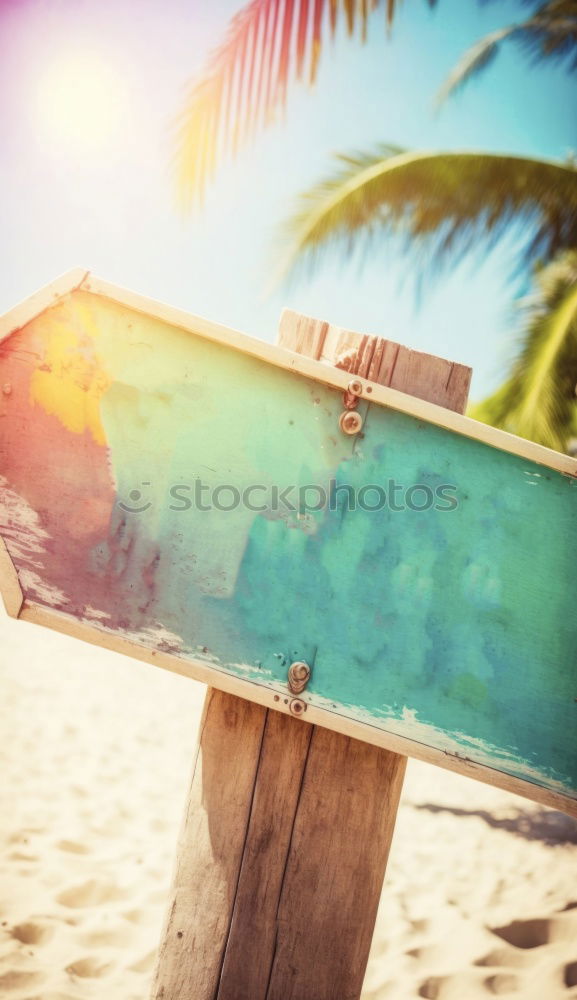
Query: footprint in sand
[[72, 846], [88, 968], [510, 958], [522, 937], [430, 988], [527, 934], [503, 983], [419, 926], [16, 980], [570, 975], [433, 957], [22, 856], [90, 893], [118, 937], [32, 932], [461, 986]]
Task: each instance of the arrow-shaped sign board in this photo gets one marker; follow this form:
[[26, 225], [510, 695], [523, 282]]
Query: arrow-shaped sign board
[[229, 509]]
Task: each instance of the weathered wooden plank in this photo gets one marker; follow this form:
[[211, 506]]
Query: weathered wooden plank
[[339, 848], [210, 849], [255, 926], [294, 916], [433, 378], [457, 605], [424, 376], [302, 334]]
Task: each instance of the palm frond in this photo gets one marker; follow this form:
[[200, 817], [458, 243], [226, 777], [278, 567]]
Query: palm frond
[[538, 399], [549, 33], [474, 60], [245, 83], [443, 205]]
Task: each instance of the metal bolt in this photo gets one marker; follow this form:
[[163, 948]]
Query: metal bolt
[[298, 676], [297, 707], [350, 422], [356, 387]]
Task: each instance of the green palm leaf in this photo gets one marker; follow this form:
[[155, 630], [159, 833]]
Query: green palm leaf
[[550, 33], [246, 79], [474, 60], [441, 204], [538, 399]]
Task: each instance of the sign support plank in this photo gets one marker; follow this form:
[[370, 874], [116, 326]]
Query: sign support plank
[[288, 825]]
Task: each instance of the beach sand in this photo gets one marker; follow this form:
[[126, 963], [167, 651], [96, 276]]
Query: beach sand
[[480, 897]]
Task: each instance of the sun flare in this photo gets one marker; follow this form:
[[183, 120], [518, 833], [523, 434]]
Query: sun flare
[[82, 101]]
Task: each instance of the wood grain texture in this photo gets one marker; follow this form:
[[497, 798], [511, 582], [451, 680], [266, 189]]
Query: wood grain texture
[[302, 334], [424, 376], [210, 849], [321, 819], [255, 923], [332, 885], [280, 862]]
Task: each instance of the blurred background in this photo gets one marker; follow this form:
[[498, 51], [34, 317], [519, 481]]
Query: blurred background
[[95, 102], [422, 188]]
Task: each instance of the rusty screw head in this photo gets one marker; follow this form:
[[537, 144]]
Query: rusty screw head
[[356, 387], [297, 707], [350, 422], [298, 676]]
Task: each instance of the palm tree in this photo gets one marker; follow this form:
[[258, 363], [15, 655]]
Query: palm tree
[[246, 79], [269, 42], [538, 399], [443, 204], [550, 32], [449, 204]]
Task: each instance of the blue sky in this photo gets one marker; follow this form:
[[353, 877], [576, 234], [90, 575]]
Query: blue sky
[[110, 205]]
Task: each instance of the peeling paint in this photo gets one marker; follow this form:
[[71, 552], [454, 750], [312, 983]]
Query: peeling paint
[[454, 628]]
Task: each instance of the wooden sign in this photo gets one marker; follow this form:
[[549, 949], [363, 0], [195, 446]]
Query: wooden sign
[[269, 525]]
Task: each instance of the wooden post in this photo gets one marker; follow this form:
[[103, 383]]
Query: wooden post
[[288, 826]]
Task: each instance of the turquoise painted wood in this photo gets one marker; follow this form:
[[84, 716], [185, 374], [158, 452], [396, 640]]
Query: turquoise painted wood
[[446, 614]]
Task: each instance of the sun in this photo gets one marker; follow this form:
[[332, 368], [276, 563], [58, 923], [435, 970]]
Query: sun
[[82, 102]]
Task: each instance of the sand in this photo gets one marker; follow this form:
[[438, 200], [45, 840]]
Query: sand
[[480, 898]]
